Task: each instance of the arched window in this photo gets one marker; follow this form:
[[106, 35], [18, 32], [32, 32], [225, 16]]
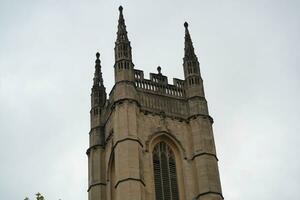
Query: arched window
[[165, 177]]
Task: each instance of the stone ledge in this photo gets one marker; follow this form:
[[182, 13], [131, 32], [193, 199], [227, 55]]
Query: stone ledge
[[204, 153], [130, 179], [201, 115], [95, 184], [125, 139], [93, 147], [209, 192]]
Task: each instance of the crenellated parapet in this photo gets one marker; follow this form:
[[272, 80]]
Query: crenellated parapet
[[157, 95], [158, 84]]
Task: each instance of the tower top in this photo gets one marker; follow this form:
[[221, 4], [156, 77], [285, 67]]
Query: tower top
[[120, 8]]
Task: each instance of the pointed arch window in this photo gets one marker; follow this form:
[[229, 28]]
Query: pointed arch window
[[165, 177]]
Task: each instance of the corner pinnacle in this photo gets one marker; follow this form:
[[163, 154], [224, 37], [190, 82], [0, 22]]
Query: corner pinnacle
[[98, 80], [188, 44]]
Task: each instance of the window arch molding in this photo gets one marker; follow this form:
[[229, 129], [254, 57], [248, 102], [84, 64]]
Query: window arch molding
[[178, 154], [168, 137]]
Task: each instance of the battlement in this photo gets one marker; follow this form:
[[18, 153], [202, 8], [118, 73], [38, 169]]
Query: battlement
[[158, 84]]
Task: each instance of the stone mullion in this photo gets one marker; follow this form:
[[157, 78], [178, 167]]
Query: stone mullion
[[161, 173]]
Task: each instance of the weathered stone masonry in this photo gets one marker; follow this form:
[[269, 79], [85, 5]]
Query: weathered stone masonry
[[142, 115]]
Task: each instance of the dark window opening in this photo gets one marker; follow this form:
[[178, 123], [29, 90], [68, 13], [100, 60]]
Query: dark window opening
[[165, 176]]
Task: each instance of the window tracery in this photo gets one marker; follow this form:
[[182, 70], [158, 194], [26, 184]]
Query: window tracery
[[165, 176]]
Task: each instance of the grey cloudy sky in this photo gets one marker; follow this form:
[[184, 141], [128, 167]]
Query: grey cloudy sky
[[249, 54]]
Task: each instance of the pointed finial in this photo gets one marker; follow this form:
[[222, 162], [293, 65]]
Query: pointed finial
[[121, 33], [98, 80], [159, 69], [186, 25], [188, 44], [97, 61]]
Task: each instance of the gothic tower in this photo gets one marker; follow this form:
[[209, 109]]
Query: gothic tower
[[151, 140]]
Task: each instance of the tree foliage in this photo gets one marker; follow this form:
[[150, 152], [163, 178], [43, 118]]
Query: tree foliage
[[38, 196]]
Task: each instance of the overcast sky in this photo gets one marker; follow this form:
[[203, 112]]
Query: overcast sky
[[249, 55]]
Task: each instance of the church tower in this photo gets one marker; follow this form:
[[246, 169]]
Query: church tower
[[151, 140]]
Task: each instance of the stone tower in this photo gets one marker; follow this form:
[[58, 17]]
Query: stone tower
[[151, 140]]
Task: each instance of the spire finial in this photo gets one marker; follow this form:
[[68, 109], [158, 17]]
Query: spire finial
[[98, 80], [159, 69], [188, 44], [97, 61], [120, 8], [122, 33], [187, 33], [186, 25]]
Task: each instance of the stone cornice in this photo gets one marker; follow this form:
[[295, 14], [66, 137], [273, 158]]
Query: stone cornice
[[204, 154], [130, 179], [93, 147], [119, 82], [196, 97], [209, 192], [201, 115], [146, 111], [127, 139], [95, 184], [119, 101]]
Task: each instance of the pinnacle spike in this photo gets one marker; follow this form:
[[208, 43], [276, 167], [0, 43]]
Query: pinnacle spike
[[188, 44], [122, 33], [98, 80], [186, 24]]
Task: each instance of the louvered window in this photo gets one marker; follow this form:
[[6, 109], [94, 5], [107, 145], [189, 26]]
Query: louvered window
[[165, 177]]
